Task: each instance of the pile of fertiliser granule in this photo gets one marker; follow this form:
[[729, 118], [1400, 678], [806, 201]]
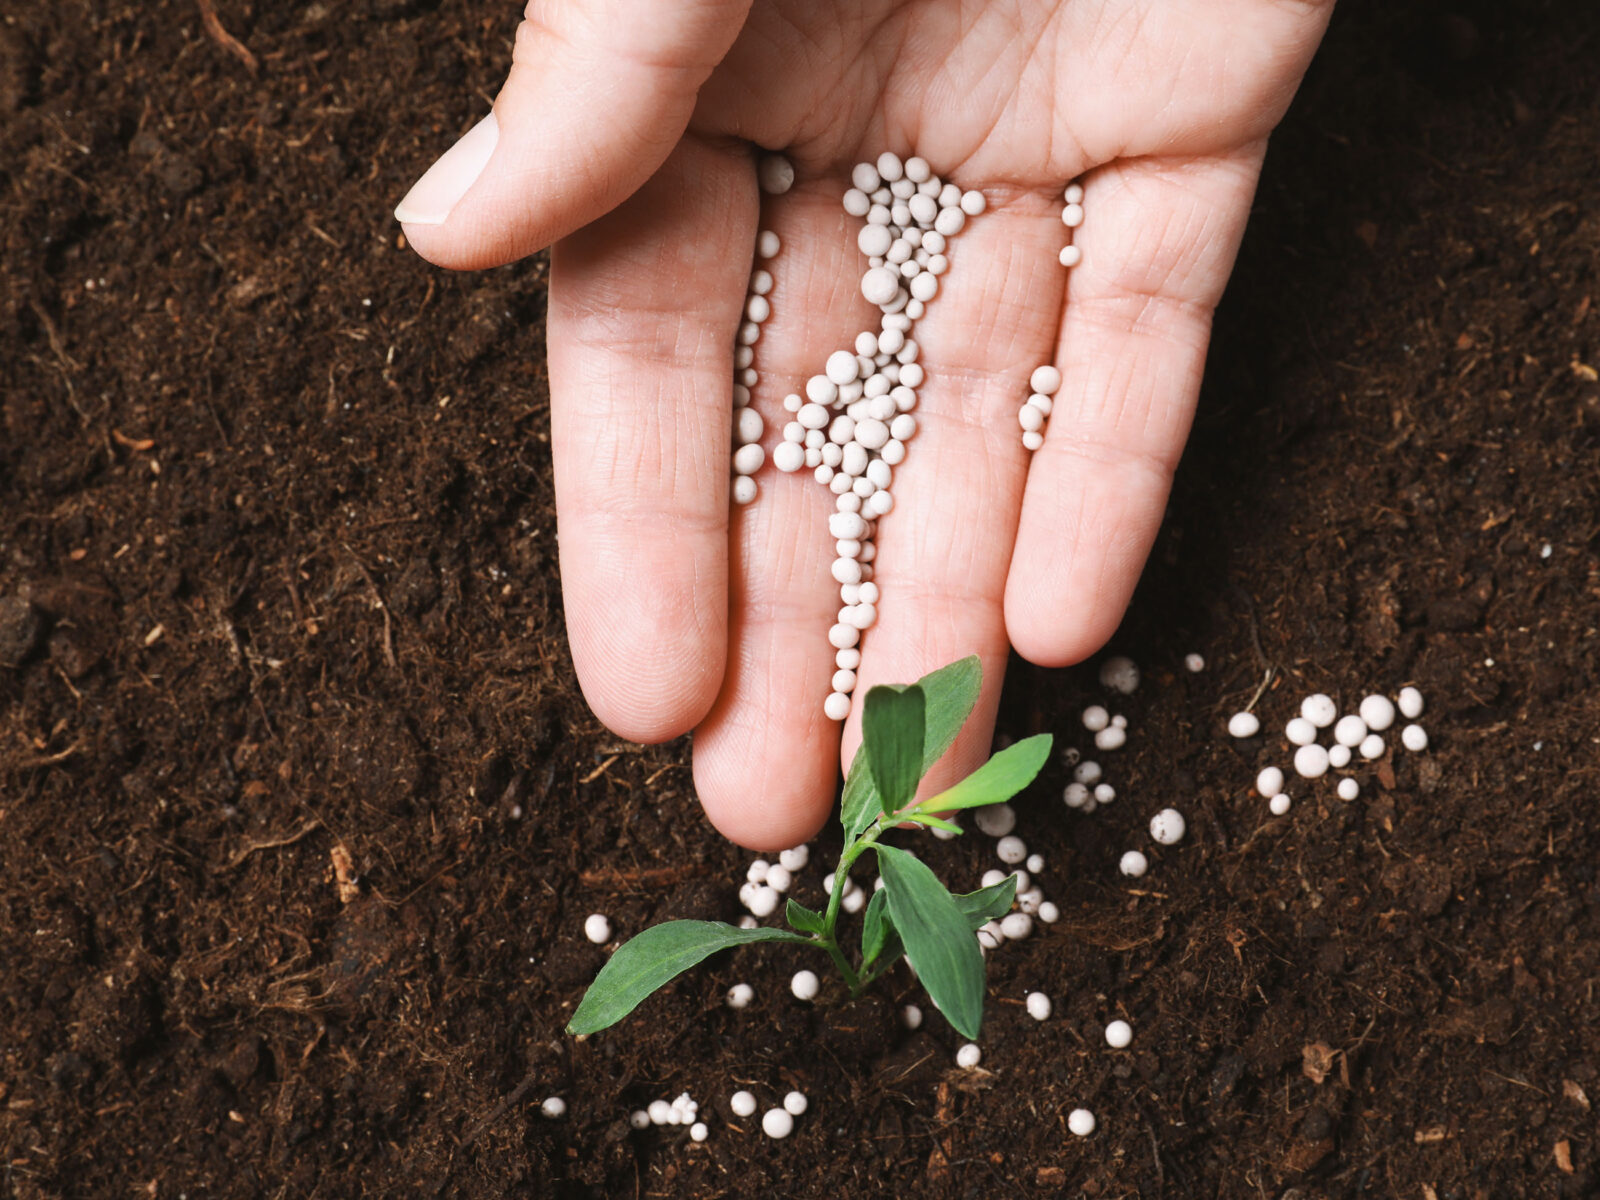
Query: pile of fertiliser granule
[[851, 424]]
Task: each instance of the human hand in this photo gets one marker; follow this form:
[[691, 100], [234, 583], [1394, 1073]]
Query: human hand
[[624, 139]]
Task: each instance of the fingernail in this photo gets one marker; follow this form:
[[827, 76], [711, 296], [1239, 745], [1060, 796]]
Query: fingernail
[[433, 196]]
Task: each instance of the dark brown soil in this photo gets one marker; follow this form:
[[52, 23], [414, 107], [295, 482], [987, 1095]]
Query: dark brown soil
[[277, 576]]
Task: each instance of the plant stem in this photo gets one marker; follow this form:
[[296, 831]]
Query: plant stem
[[847, 860], [868, 978], [845, 969], [830, 922]]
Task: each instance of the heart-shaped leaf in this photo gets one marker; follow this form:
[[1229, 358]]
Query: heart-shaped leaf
[[892, 731], [949, 696]]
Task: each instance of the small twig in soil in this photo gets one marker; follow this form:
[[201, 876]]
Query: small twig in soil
[[123, 439], [1266, 679], [54, 337], [213, 24], [50, 759], [288, 839], [344, 873], [651, 876], [600, 770]]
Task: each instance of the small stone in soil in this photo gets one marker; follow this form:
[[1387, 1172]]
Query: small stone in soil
[[1133, 864], [553, 1107], [1081, 1122], [969, 1055], [1039, 1006], [1118, 1035], [1414, 737], [743, 1104], [597, 929], [777, 1124]]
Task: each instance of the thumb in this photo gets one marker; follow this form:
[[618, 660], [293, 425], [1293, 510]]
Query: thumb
[[600, 91]]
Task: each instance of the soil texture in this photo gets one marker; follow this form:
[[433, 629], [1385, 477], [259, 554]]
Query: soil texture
[[301, 810]]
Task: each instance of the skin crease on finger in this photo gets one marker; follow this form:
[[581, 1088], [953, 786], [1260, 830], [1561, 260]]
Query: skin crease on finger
[[1015, 99]]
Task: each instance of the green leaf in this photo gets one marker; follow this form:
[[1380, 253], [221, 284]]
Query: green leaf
[[876, 928], [949, 696], [891, 730], [934, 822], [858, 807], [999, 779], [988, 904], [657, 956], [937, 937], [804, 919], [951, 693]]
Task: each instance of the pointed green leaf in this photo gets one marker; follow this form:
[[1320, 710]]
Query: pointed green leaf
[[655, 957], [933, 822], [891, 730], [988, 904], [949, 696], [951, 693], [937, 937], [876, 928], [858, 807], [804, 919], [1002, 777]]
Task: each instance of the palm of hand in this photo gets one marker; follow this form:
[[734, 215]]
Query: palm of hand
[[681, 613]]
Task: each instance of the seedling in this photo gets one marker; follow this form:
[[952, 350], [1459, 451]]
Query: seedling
[[905, 730]]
